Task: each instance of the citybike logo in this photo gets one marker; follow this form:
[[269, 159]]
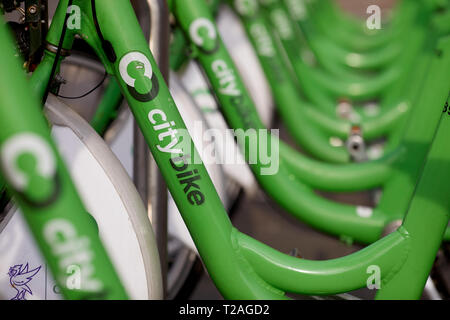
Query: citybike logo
[[72, 250], [30, 166], [136, 70], [204, 35], [246, 7], [263, 41], [164, 128], [227, 79], [187, 178], [259, 140]]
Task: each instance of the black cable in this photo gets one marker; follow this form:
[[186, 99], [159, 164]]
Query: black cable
[[87, 93], [106, 45], [58, 53]]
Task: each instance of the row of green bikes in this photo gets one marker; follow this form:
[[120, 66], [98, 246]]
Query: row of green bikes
[[129, 131]]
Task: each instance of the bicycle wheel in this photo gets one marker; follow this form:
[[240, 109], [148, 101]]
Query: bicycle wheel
[[111, 199], [119, 137]]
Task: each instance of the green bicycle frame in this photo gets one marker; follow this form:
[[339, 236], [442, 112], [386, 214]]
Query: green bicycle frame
[[288, 186], [243, 268], [357, 37], [298, 115], [388, 209], [373, 55], [319, 85], [295, 41], [301, 117], [39, 182]]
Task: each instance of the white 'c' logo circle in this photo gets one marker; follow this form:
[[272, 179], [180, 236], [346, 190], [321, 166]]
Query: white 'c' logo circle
[[131, 57], [21, 144], [202, 23]]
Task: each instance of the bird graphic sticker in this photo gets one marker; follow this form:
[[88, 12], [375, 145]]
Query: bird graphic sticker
[[19, 278]]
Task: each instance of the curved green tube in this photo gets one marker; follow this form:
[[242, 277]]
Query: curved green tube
[[41, 185], [327, 277]]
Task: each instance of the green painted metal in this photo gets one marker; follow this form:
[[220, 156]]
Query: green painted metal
[[40, 184], [267, 262], [268, 265], [107, 109], [287, 186], [327, 277], [275, 268], [324, 88], [374, 48], [241, 267], [426, 220], [351, 33], [300, 116]]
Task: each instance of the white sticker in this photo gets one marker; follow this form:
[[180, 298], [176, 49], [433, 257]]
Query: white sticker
[[364, 212]]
